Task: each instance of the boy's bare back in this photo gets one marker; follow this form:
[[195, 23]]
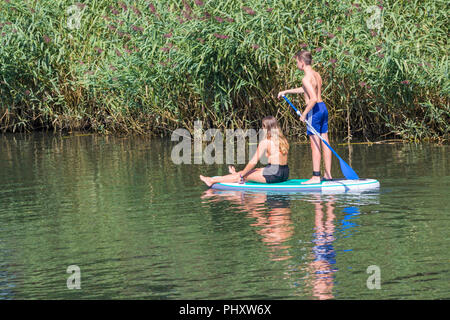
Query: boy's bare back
[[315, 80]]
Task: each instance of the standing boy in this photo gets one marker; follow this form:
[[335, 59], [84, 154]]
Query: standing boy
[[315, 113]]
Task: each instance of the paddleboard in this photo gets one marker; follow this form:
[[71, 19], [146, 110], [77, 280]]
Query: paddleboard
[[295, 185]]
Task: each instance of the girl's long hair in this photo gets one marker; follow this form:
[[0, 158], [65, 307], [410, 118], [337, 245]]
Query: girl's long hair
[[274, 133]]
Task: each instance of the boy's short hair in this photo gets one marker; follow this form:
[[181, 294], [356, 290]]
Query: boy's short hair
[[305, 56]]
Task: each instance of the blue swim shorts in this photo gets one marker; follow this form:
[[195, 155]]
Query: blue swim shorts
[[318, 118]]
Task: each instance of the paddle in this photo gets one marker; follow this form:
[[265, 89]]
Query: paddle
[[347, 171]]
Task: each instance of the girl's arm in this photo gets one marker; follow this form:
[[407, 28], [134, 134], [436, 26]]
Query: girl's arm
[[254, 160]]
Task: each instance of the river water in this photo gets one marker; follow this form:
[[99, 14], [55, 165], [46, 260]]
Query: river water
[[139, 226]]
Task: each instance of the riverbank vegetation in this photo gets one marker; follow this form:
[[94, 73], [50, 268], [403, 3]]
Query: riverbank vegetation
[[139, 66]]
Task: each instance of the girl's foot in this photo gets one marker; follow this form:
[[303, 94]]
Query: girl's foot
[[206, 180], [231, 169], [207, 194]]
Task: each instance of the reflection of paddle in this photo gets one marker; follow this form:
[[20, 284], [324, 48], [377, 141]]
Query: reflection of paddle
[[347, 171]]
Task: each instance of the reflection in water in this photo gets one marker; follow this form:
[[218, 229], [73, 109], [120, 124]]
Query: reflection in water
[[322, 266], [347, 224], [273, 221], [272, 213]]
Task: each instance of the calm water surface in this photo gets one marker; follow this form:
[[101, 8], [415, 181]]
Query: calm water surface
[[139, 226]]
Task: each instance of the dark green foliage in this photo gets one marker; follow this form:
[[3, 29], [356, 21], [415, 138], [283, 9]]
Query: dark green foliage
[[152, 66]]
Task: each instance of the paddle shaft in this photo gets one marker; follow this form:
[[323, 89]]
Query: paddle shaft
[[310, 126]]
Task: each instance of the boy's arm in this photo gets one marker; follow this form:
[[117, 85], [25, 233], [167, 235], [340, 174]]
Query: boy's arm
[[296, 90], [312, 97]]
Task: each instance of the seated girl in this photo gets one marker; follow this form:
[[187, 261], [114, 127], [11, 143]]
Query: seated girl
[[276, 148]]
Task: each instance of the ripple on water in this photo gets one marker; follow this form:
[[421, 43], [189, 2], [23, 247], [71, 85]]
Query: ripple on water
[[141, 227]]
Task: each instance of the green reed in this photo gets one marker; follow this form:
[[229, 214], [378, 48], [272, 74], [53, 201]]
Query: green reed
[[152, 66]]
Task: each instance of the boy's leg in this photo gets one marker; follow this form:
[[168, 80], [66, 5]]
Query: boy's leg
[[316, 157], [327, 156]]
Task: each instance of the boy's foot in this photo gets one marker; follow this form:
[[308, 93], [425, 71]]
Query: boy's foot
[[231, 169], [206, 180], [327, 178], [314, 179]]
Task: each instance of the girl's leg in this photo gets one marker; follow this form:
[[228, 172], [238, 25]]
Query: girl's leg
[[256, 175], [228, 178], [327, 156]]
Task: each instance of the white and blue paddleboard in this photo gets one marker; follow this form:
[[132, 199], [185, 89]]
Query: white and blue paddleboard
[[295, 185]]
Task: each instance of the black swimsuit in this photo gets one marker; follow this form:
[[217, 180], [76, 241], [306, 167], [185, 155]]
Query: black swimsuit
[[276, 173]]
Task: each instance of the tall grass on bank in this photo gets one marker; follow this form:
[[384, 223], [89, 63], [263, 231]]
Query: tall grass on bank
[[152, 66]]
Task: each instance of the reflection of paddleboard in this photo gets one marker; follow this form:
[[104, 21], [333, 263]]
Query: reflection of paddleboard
[[294, 185]]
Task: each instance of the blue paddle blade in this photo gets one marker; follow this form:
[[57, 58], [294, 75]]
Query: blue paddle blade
[[347, 171]]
